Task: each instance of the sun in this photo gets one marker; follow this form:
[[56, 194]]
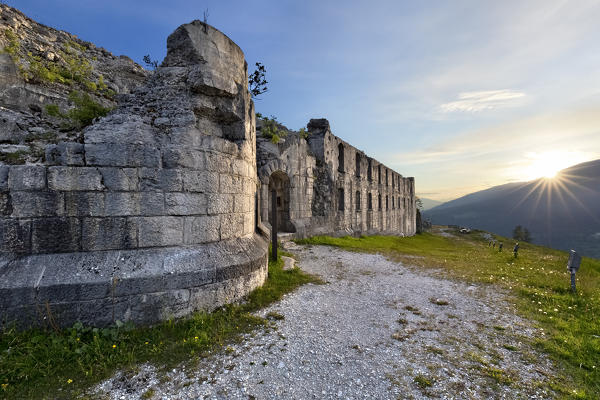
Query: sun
[[548, 164], [543, 168]]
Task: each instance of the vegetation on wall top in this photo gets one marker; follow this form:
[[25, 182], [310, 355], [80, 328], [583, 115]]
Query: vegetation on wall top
[[67, 66]]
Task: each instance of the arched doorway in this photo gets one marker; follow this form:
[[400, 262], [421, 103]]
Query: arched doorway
[[280, 182]]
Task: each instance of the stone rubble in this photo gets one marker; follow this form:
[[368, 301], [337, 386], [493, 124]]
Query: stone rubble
[[373, 331]]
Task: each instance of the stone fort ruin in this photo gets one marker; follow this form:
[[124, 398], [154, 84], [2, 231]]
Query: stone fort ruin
[[161, 207]]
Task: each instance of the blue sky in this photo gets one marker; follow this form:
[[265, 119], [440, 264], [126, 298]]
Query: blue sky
[[463, 95]]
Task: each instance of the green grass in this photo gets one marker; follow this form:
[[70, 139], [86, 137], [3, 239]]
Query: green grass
[[569, 323], [422, 381], [17, 158], [48, 364]]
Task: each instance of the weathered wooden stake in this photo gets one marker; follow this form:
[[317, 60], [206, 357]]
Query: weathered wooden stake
[[274, 224], [573, 266]]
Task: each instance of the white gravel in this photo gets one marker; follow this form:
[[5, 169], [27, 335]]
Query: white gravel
[[373, 331]]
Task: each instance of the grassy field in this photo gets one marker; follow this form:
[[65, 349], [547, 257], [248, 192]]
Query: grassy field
[[47, 364], [538, 280]]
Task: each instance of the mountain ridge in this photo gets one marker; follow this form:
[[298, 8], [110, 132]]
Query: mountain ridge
[[563, 212]]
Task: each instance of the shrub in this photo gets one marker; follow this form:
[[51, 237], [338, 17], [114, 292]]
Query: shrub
[[54, 111], [13, 43], [86, 109], [304, 134], [271, 130]]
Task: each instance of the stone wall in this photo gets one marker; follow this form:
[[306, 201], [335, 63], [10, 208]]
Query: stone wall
[[155, 210], [152, 211], [333, 194]]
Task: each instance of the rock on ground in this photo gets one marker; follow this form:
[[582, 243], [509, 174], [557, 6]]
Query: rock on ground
[[377, 329]]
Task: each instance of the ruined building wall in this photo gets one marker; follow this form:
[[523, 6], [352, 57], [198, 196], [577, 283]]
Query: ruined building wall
[[153, 215], [333, 194]]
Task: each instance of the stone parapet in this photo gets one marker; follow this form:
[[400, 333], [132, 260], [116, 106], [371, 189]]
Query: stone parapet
[[143, 286]]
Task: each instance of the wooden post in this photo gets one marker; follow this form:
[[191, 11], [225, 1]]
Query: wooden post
[[274, 224], [573, 266]]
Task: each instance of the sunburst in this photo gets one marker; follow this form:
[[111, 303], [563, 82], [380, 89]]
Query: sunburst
[[548, 164]]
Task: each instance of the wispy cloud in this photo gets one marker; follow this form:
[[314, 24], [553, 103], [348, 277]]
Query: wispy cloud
[[483, 100]]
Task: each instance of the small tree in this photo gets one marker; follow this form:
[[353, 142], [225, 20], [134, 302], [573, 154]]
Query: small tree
[[419, 203], [521, 234], [517, 232], [205, 27], [150, 63], [527, 236], [257, 84]]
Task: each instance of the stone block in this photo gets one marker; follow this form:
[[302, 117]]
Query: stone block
[[201, 229], [122, 203], [160, 231], [152, 203], [218, 163], [249, 186], [122, 155], [242, 203], [15, 235], [84, 204], [200, 181], [126, 129], [249, 225], [37, 204], [5, 204], [153, 307], [232, 225], [163, 179], [108, 233], [219, 144], [101, 311], [219, 203], [4, 177], [52, 155], [74, 179], [183, 158], [27, 177], [120, 179], [65, 153], [71, 153], [240, 167], [185, 203], [230, 184], [57, 234]]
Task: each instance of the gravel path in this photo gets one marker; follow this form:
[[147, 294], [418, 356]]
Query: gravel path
[[376, 330]]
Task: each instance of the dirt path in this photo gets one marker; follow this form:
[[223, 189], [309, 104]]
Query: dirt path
[[377, 330]]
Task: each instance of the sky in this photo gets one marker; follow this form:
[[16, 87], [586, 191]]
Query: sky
[[462, 95]]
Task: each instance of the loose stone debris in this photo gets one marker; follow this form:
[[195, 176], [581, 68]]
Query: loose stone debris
[[377, 329]]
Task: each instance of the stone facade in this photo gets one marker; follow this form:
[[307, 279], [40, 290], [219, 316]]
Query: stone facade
[[153, 215], [155, 210], [326, 186]]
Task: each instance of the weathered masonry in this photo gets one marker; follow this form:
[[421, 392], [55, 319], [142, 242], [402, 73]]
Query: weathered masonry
[[326, 186], [153, 215], [157, 209]]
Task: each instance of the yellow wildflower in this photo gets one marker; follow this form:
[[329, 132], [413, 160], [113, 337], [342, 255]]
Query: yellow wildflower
[[69, 381], [114, 346]]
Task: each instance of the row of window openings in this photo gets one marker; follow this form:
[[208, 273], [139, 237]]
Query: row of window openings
[[341, 201], [369, 169]]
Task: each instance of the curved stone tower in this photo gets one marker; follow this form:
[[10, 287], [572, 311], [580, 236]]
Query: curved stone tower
[[153, 215]]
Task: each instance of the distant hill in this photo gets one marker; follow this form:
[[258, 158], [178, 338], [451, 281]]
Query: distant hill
[[429, 204], [563, 212]]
